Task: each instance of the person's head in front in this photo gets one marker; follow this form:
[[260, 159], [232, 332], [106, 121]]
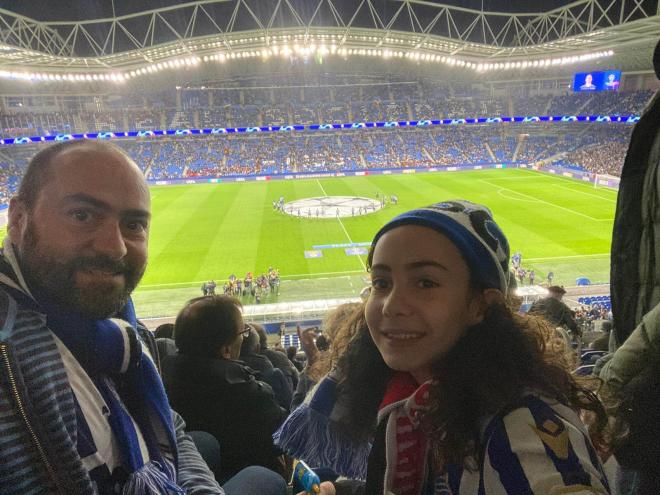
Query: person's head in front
[[79, 227], [556, 292], [211, 327], [216, 392]]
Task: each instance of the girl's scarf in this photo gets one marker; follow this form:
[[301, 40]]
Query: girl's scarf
[[313, 432], [110, 353], [406, 444]]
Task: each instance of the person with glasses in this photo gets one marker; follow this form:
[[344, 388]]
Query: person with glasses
[[217, 393]]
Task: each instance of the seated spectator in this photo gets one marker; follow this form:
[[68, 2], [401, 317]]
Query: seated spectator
[[450, 388], [164, 340], [264, 369], [602, 343], [276, 356], [554, 310], [292, 353], [339, 326], [218, 394]]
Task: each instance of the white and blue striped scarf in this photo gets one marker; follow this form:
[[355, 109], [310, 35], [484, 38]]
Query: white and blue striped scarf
[[109, 352]]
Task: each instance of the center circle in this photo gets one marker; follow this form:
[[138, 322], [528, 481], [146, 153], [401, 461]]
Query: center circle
[[331, 207]]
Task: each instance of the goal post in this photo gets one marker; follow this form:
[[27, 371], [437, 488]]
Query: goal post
[[606, 181]]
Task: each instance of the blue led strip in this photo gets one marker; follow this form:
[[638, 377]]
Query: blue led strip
[[624, 119]]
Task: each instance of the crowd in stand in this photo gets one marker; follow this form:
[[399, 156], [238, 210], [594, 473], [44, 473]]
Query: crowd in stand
[[599, 149], [365, 103], [602, 158]]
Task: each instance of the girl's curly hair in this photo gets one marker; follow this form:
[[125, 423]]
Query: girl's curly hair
[[492, 366]]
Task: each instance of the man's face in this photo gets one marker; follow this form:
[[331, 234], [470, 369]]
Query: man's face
[[588, 79], [83, 245]]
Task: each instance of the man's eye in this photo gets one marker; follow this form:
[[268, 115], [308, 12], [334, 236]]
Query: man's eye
[[81, 215], [136, 226]]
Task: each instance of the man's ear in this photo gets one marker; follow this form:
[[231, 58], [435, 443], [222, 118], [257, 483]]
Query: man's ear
[[482, 301], [18, 220]]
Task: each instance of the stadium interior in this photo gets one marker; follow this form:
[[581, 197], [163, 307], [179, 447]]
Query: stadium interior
[[240, 111]]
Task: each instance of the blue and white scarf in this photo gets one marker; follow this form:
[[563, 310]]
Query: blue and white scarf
[[110, 353], [313, 433]]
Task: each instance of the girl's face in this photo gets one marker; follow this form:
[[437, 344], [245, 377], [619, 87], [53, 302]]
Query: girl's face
[[421, 302]]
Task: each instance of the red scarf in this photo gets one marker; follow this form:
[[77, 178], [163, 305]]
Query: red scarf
[[406, 444]]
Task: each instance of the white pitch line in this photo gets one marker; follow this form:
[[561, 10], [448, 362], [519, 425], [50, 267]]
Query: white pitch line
[[284, 279], [570, 256], [542, 201], [343, 228], [588, 194], [322, 190]]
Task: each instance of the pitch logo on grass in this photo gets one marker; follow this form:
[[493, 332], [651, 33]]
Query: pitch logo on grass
[[331, 207]]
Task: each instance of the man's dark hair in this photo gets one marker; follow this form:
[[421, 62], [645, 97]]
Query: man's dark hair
[[250, 343], [38, 169], [322, 343], [263, 337], [207, 323], [164, 331], [291, 352]]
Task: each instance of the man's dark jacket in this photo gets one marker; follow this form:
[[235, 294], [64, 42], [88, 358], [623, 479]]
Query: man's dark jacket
[[223, 398]]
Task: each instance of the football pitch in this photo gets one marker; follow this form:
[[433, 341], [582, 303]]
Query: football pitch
[[211, 231]]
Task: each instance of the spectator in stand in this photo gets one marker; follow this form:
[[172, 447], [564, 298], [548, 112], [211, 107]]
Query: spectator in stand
[[276, 356], [292, 353], [553, 309], [340, 325], [631, 376], [265, 371], [602, 343], [164, 340], [440, 392], [215, 392], [86, 411]]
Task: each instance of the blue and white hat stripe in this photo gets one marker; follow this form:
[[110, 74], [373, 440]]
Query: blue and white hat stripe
[[474, 232]]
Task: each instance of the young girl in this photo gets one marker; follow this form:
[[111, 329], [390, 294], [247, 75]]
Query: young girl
[[447, 391]]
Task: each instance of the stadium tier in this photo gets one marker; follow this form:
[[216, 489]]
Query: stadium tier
[[596, 147], [204, 109]]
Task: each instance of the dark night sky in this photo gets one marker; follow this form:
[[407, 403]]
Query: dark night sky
[[76, 10]]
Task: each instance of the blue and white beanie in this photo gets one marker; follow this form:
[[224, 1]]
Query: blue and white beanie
[[474, 232]]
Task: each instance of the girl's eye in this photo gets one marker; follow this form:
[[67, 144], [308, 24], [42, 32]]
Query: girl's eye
[[378, 283], [427, 284]]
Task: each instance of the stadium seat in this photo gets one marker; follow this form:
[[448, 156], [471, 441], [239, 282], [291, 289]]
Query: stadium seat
[[584, 370], [588, 357]]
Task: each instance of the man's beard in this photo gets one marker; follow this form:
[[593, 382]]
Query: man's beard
[[55, 280]]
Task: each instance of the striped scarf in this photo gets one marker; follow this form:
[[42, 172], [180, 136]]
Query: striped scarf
[[110, 354], [406, 442]]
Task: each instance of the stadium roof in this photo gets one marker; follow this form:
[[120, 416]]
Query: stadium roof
[[125, 46]]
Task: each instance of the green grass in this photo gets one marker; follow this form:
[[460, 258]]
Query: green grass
[[209, 231]]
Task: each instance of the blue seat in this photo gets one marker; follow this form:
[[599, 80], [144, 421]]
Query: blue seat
[[589, 357], [584, 370]]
